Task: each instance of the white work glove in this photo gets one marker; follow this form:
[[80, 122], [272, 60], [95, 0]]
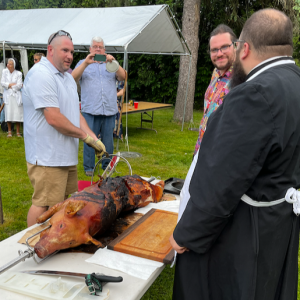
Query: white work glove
[[97, 145]]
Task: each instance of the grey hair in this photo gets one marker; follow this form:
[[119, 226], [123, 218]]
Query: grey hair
[[13, 61], [97, 39]]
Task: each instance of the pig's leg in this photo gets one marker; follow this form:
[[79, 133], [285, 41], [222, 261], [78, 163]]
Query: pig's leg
[[94, 241], [50, 212], [158, 190]]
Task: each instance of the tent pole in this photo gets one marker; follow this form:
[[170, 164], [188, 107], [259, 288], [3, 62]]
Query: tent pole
[[4, 53], [186, 93], [126, 68]]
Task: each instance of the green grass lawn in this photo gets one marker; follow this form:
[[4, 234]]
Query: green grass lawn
[[165, 154]]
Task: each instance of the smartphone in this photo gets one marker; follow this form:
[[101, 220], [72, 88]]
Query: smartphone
[[100, 57]]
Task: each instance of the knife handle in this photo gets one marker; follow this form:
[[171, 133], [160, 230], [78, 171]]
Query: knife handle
[[95, 282], [104, 278]]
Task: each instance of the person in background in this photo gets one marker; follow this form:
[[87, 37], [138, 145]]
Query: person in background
[[222, 55], [2, 113], [98, 99], [37, 57], [53, 125], [11, 81], [238, 236]]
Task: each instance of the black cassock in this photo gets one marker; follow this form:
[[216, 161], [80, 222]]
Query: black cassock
[[251, 146]]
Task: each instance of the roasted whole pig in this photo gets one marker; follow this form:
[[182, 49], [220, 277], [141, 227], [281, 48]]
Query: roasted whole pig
[[76, 220]]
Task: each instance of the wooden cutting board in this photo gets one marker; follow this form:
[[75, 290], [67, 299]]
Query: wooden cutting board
[[149, 237]]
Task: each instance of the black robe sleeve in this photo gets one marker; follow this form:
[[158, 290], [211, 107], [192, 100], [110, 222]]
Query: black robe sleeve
[[238, 138]]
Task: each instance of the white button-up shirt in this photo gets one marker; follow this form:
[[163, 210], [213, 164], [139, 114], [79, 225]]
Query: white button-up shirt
[[45, 86], [98, 90]]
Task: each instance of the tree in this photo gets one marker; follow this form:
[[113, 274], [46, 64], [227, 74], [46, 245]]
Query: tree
[[213, 12], [155, 78], [190, 29]]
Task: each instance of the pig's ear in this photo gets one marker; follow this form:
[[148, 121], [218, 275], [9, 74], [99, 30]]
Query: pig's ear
[[73, 207]]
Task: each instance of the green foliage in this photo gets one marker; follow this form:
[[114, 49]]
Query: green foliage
[[30, 4], [155, 77], [297, 5], [2, 4]]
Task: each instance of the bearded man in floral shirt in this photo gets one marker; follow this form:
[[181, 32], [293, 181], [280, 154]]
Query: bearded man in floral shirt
[[222, 54]]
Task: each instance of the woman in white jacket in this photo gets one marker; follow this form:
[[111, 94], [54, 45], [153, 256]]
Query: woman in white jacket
[[12, 82]]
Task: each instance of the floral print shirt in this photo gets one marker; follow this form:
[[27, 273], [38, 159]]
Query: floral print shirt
[[215, 93]]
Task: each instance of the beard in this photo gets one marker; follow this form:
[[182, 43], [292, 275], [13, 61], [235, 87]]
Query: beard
[[230, 60], [239, 76], [223, 68]]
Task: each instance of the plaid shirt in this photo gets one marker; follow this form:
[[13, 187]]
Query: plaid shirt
[[216, 91]]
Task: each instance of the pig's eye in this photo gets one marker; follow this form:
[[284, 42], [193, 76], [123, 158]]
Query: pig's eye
[[61, 225]]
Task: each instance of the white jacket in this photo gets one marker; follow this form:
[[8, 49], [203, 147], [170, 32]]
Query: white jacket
[[14, 77]]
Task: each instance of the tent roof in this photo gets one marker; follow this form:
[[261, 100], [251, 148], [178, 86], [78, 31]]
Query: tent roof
[[143, 29]]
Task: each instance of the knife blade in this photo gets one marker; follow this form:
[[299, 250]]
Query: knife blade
[[101, 277]]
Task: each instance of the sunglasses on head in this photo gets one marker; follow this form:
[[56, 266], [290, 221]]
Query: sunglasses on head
[[60, 33]]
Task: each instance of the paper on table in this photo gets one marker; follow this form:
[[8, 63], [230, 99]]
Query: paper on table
[[31, 232], [172, 206], [132, 265]]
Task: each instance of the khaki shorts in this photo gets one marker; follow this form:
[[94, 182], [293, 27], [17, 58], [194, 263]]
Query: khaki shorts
[[52, 184]]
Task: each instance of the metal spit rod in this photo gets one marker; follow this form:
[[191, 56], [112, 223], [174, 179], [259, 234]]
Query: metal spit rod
[[26, 254], [22, 256]]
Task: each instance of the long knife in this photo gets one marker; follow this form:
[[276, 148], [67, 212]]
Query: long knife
[[94, 281]]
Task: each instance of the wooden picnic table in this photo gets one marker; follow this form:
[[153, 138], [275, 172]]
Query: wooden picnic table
[[144, 108]]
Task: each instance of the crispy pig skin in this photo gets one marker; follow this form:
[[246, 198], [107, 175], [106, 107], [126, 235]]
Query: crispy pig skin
[[76, 220]]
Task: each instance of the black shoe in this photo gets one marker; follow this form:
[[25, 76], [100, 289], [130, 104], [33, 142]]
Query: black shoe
[[89, 173]]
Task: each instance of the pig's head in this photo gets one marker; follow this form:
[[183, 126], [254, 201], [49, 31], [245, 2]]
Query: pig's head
[[68, 229]]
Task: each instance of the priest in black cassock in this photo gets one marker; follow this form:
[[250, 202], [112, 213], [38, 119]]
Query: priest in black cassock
[[237, 238]]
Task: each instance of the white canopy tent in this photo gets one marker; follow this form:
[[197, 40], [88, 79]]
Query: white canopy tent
[[136, 29], [150, 29]]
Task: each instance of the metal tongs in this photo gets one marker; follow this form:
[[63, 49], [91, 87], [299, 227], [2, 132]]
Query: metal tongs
[[26, 254], [110, 169]]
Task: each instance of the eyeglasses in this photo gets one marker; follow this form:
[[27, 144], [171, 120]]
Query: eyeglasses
[[223, 49], [36, 59], [98, 47], [235, 43], [60, 33]]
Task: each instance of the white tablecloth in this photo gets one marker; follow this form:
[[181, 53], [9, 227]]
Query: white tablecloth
[[131, 287]]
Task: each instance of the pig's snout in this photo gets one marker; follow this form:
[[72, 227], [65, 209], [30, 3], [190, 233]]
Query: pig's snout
[[40, 251]]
